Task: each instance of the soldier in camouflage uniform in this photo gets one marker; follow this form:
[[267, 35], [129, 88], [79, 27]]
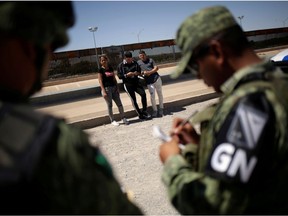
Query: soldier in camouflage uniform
[[46, 166], [236, 161]]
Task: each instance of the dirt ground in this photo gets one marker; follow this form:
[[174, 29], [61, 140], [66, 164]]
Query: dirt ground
[[133, 154]]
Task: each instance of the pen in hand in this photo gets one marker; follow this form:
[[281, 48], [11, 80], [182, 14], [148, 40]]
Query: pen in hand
[[157, 132], [186, 120]]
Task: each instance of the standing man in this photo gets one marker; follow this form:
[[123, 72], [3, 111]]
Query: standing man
[[129, 71], [153, 81], [46, 166], [238, 163]]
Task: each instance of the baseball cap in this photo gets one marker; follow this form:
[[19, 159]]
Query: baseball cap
[[199, 27]]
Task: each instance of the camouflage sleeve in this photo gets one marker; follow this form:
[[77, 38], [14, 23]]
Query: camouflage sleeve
[[186, 186], [77, 179], [193, 192]]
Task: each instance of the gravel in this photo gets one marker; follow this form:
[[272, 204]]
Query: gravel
[[134, 155]]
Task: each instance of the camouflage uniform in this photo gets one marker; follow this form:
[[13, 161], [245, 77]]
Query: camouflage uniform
[[47, 166], [240, 165], [192, 186]]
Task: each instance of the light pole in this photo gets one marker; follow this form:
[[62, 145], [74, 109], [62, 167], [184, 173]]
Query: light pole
[[139, 34], [240, 18], [93, 29]]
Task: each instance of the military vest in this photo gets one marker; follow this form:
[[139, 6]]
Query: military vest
[[24, 134]]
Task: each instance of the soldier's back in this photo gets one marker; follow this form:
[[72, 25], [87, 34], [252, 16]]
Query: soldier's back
[[49, 167]]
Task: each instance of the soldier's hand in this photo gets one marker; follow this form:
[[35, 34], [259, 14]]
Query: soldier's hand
[[185, 133], [168, 149]]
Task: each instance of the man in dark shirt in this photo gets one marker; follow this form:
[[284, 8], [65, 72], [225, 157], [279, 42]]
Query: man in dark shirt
[[129, 71]]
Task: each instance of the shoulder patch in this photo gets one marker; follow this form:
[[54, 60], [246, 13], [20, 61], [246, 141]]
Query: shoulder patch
[[235, 153], [246, 126]]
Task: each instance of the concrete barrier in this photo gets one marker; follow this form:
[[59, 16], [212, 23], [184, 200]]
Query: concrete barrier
[[103, 119], [70, 94]]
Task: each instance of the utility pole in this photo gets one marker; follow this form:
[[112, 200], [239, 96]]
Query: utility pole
[[93, 29], [139, 35]]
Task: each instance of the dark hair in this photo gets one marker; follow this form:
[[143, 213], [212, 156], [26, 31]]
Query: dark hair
[[128, 54], [103, 56], [142, 52]]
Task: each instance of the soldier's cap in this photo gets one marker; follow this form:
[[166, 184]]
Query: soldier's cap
[[199, 27], [40, 22]]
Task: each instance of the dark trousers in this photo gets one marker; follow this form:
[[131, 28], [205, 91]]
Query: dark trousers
[[139, 89]]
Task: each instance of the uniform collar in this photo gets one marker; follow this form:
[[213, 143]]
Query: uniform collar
[[233, 81]]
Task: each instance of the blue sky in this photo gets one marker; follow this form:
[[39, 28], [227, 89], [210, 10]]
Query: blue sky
[[124, 22]]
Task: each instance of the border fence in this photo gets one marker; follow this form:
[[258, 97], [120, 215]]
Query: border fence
[[79, 62]]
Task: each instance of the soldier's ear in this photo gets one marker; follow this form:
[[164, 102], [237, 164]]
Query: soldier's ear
[[217, 51], [29, 49]]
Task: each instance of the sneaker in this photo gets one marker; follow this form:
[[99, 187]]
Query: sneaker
[[144, 117], [161, 113], [154, 114], [146, 114], [115, 123], [125, 121]]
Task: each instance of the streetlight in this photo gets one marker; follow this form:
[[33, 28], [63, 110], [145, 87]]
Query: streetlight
[[139, 34], [240, 18], [93, 29]]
